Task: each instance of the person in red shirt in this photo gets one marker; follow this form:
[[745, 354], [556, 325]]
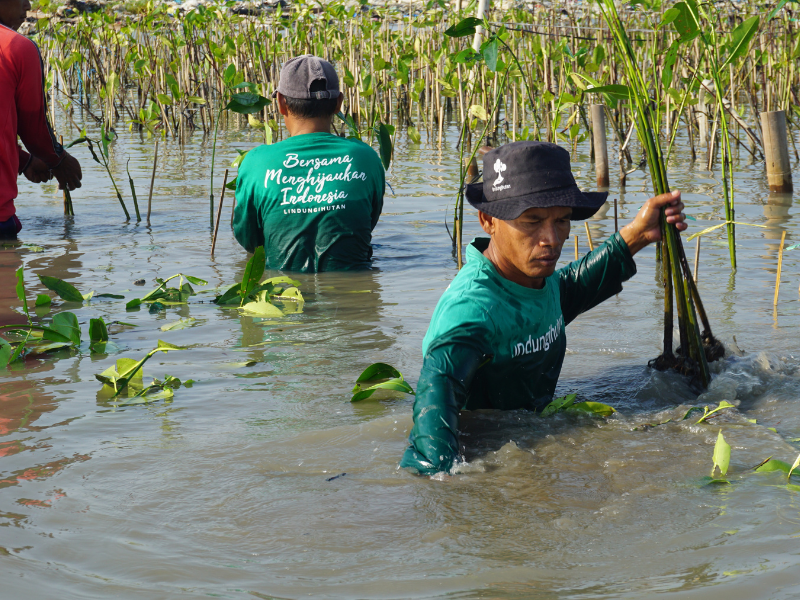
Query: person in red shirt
[[23, 113]]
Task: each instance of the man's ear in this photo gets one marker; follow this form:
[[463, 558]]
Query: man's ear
[[487, 222], [282, 108]]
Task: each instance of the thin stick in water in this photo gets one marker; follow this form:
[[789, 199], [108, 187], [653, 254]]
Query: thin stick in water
[[696, 259], [152, 180], [219, 212], [589, 236], [780, 263], [616, 222], [576, 246]]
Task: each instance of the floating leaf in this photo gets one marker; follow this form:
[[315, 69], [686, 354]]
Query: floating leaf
[[559, 404], [413, 134], [179, 324], [771, 464], [98, 332], [261, 307], [722, 455], [66, 291], [386, 378], [42, 300], [595, 408], [66, 324]]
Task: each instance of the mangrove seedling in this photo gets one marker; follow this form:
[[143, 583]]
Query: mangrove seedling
[[128, 371], [255, 297], [170, 295], [379, 376]]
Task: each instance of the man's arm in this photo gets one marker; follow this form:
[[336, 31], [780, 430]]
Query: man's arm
[[596, 277], [587, 282], [24, 160]]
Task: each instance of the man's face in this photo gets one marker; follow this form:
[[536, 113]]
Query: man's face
[[13, 12], [530, 244]]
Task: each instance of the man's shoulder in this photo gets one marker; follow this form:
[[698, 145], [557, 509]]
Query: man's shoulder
[[19, 45], [471, 292]]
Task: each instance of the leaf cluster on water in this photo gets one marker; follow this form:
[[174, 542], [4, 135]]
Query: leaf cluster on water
[[379, 376]]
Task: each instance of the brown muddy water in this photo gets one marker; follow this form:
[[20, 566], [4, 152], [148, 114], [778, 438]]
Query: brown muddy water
[[225, 490]]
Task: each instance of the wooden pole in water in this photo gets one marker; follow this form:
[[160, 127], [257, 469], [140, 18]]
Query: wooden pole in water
[[219, 212], [696, 259], [589, 236], [152, 181], [576, 246], [599, 144], [616, 222], [776, 151], [780, 263]]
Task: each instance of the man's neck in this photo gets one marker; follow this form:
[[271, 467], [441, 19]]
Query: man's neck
[[507, 269], [301, 126]]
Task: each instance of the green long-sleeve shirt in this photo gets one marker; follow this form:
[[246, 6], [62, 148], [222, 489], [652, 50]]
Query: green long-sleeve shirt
[[493, 343], [312, 201]]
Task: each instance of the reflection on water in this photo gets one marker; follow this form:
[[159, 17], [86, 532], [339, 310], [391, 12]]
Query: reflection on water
[[229, 489]]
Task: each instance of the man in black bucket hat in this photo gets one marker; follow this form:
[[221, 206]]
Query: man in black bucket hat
[[496, 339]]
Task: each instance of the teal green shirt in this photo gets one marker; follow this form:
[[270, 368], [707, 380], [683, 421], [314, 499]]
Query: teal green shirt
[[495, 344], [312, 201]]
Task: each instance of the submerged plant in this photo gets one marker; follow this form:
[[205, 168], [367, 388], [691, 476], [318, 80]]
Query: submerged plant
[[127, 371], [568, 404], [255, 297], [722, 456], [170, 295], [379, 376]]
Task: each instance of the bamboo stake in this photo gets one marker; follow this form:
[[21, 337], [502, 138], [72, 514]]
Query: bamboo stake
[[696, 259], [152, 181], [780, 264], [588, 236], [576, 246], [219, 212], [616, 222]]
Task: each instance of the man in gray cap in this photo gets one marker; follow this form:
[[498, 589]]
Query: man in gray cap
[[313, 199], [497, 339]]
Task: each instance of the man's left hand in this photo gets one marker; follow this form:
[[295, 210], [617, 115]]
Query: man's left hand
[[37, 171], [645, 228]]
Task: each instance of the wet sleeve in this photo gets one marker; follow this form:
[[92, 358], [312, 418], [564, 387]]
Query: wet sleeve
[[33, 127], [248, 226], [448, 371], [587, 282]]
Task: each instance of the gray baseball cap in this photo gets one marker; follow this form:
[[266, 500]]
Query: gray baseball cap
[[300, 72]]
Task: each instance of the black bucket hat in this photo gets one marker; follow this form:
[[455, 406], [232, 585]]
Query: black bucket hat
[[523, 175]]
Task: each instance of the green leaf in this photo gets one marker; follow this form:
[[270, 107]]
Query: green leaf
[[385, 145], [413, 134], [559, 404], [595, 408], [669, 16], [97, 330], [669, 62], [740, 39], [397, 385], [115, 296], [66, 291], [613, 91], [230, 296], [777, 8], [179, 324], [378, 371], [42, 300], [133, 303], [261, 307], [795, 464], [686, 22], [164, 99], [165, 346], [489, 52], [722, 455], [247, 103], [194, 280], [66, 324], [5, 352], [771, 465], [464, 28], [253, 272], [21, 292]]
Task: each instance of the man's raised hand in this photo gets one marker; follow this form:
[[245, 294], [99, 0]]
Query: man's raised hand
[[645, 228]]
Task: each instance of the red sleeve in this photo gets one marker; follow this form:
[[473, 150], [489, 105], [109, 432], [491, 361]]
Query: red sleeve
[[32, 125], [24, 160]]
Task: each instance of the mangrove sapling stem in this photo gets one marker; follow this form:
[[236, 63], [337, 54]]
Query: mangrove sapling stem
[[152, 181], [219, 212], [133, 191], [697, 258], [780, 264]]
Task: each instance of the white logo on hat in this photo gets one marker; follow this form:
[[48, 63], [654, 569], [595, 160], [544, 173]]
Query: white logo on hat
[[499, 167]]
